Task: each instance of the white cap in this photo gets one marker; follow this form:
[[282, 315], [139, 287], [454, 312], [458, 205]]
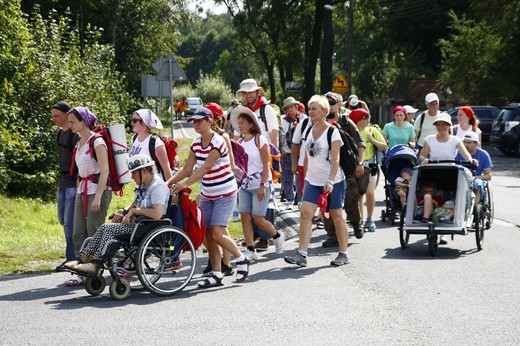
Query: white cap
[[354, 101], [443, 117], [472, 136], [431, 97], [410, 109]]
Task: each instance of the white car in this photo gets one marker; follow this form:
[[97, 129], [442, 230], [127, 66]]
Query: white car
[[194, 103]]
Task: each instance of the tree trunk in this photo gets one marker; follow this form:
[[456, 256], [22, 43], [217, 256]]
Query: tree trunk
[[326, 51], [314, 51]]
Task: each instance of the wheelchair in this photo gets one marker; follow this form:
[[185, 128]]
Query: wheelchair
[[156, 256]]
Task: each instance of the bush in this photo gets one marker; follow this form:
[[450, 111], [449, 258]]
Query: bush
[[214, 89]]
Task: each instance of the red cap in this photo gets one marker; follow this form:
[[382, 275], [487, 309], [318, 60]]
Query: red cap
[[215, 109], [357, 114], [323, 203], [468, 111], [301, 108]]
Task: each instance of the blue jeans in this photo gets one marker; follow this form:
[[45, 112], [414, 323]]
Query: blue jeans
[[66, 199], [287, 177]]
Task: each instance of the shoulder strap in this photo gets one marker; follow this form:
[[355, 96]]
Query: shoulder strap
[[455, 128], [330, 130], [420, 125], [262, 116], [151, 149], [257, 141], [91, 145], [307, 133]]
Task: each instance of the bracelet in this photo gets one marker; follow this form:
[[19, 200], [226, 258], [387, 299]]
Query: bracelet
[[330, 182]]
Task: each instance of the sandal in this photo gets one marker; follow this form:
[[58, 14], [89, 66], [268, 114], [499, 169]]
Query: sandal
[[242, 270], [212, 281], [78, 281]]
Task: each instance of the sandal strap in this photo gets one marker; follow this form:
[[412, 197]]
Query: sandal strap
[[212, 281]]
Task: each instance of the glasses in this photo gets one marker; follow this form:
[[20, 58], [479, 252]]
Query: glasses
[[332, 103], [310, 148], [137, 121]]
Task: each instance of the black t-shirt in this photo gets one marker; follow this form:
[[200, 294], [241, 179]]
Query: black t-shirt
[[66, 142]]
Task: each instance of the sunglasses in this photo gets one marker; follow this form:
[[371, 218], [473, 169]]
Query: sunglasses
[[137, 121], [311, 149], [332, 103]]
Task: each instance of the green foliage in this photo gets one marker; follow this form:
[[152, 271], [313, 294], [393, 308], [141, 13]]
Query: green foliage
[[184, 90], [470, 60], [213, 89], [50, 65]]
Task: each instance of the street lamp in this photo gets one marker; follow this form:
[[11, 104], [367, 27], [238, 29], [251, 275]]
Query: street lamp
[[350, 34]]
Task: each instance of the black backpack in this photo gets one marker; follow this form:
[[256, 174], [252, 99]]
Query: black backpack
[[348, 155]]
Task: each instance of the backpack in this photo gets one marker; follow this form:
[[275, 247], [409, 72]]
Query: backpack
[[274, 160], [348, 157], [171, 151], [292, 126], [194, 225], [240, 156], [113, 178]]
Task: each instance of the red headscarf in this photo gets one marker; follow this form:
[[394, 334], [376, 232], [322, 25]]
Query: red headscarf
[[357, 114], [468, 111]]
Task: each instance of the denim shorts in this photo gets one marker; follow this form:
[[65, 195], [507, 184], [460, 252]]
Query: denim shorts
[[480, 184], [311, 194], [217, 211], [248, 201]]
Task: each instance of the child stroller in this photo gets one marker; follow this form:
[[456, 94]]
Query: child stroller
[[398, 157], [449, 178]]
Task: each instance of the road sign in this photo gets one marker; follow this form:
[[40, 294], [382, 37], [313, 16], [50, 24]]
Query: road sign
[[340, 84], [169, 70], [153, 88]]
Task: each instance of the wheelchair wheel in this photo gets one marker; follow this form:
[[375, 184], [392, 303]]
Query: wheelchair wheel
[[489, 207], [94, 286], [120, 291], [479, 220], [166, 260]]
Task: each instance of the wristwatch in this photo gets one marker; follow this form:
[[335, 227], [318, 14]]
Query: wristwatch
[[360, 163]]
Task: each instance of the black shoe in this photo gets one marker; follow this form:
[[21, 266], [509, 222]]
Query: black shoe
[[227, 270], [262, 245], [358, 232], [330, 243], [208, 269]]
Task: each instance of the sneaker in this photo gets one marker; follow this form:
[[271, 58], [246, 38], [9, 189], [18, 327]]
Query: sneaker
[[279, 242], [330, 243], [358, 232], [320, 224], [297, 259], [443, 240], [341, 259], [251, 255], [445, 219], [262, 245], [370, 226], [288, 206]]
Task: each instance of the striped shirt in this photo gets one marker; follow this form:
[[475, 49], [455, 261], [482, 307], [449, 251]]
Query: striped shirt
[[220, 180], [87, 165]]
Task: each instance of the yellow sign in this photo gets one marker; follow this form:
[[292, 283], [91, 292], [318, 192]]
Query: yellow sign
[[340, 84]]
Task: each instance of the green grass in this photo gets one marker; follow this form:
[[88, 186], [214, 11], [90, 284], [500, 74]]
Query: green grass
[[31, 238]]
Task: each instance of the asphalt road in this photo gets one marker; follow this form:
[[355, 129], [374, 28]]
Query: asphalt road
[[385, 296]]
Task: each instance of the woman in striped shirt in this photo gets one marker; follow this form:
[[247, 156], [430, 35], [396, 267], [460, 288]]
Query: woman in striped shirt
[[218, 189]]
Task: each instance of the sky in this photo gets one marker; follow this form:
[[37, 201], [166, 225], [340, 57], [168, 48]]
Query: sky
[[207, 4]]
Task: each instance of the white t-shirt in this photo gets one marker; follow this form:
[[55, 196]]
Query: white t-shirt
[[318, 167], [427, 127], [272, 121], [443, 151], [461, 133], [298, 135], [254, 162], [143, 147], [87, 165]]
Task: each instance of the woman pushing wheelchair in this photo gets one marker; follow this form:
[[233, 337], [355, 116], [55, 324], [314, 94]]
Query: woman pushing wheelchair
[[150, 201]]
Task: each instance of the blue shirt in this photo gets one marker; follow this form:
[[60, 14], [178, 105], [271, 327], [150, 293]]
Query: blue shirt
[[483, 158]]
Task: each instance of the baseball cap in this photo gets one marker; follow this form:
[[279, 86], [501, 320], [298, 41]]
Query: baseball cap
[[431, 97], [410, 109], [472, 136], [201, 113]]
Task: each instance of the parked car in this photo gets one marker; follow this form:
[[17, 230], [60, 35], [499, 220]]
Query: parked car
[[505, 135], [194, 103], [485, 114]]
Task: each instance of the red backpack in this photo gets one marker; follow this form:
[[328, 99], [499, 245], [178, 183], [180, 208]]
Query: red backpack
[[113, 177], [194, 225], [171, 150]]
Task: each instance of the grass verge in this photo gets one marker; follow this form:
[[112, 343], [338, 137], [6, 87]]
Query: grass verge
[[32, 239]]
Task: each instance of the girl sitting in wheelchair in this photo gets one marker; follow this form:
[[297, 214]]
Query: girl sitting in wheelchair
[[150, 201]]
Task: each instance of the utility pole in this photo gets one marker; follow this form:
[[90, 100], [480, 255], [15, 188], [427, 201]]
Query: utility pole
[[350, 15]]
